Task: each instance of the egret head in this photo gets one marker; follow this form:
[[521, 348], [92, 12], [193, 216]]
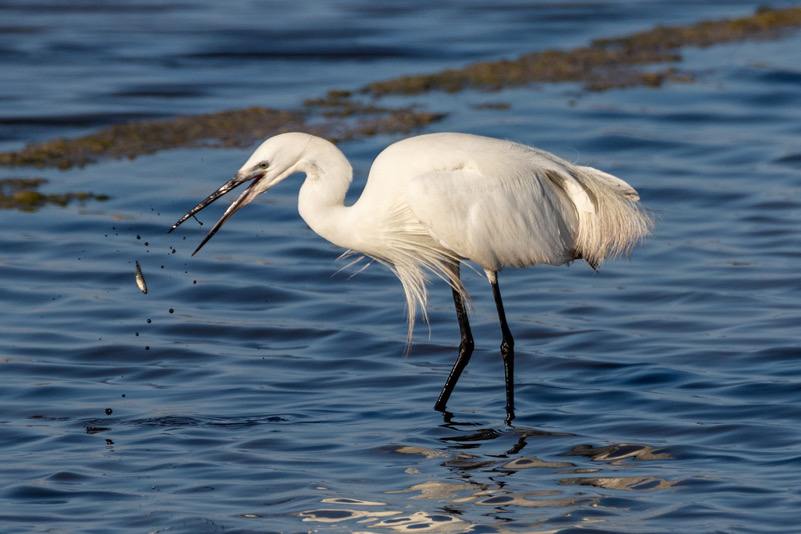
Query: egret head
[[275, 159]]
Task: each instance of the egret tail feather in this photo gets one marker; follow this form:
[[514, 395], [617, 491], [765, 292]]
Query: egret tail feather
[[618, 222]]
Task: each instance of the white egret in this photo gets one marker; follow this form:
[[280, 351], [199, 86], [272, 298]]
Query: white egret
[[435, 200]]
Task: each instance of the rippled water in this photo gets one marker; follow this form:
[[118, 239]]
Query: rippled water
[[256, 388]]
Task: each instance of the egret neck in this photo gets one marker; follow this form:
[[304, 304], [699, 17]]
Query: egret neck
[[321, 200]]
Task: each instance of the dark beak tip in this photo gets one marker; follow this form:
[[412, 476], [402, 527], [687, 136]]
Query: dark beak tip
[[225, 188]]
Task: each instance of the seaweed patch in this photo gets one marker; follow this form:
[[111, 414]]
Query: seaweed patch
[[23, 194], [605, 64]]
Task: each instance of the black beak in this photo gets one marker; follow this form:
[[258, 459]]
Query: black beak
[[228, 186]]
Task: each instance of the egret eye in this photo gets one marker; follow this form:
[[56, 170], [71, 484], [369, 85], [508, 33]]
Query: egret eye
[[264, 165]]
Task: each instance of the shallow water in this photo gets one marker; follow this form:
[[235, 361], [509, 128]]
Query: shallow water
[[256, 388]]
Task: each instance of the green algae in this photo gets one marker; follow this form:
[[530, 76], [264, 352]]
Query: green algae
[[644, 59], [236, 128], [401, 120], [23, 194], [129, 140], [765, 23], [597, 68], [340, 104], [606, 64]]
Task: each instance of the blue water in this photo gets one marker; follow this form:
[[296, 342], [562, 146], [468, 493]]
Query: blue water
[[258, 388]]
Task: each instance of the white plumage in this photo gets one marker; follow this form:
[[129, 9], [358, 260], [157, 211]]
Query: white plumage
[[435, 200]]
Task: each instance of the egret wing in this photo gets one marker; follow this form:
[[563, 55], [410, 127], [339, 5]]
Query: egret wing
[[515, 220]]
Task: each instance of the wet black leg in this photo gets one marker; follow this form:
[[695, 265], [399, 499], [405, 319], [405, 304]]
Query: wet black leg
[[507, 350], [465, 350]]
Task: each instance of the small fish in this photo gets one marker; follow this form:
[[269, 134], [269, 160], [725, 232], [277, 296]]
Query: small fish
[[140, 279]]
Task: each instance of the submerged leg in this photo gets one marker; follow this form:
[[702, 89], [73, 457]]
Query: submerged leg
[[465, 349], [507, 348]]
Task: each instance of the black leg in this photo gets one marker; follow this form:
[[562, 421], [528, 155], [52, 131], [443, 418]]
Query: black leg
[[465, 350], [507, 349]]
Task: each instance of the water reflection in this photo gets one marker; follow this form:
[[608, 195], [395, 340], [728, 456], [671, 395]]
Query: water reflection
[[615, 454], [621, 483], [482, 486], [415, 522]]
